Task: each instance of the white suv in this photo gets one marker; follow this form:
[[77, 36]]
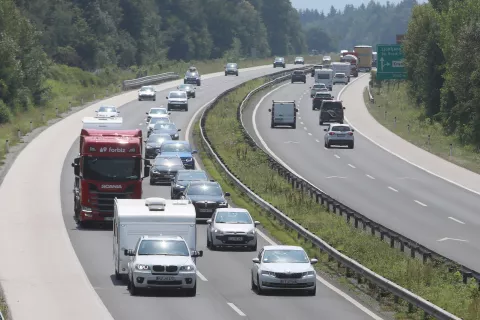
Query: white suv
[[162, 262]]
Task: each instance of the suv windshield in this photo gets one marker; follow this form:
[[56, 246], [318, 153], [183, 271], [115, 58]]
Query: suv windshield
[[159, 119], [146, 89], [168, 161], [176, 147], [164, 126], [111, 169], [326, 105], [163, 248], [233, 217], [177, 95], [192, 176], [285, 256], [158, 111], [205, 190]]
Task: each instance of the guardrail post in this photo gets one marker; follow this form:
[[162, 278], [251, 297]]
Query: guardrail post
[[70, 106], [19, 134], [31, 125], [428, 140], [408, 128], [7, 147], [82, 101], [392, 241], [94, 96], [394, 122], [385, 114], [451, 149], [56, 112]]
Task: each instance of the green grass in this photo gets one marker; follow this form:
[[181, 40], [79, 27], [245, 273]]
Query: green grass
[[434, 283], [72, 85], [413, 126]]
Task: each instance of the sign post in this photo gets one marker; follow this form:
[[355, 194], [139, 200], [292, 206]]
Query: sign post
[[390, 61]]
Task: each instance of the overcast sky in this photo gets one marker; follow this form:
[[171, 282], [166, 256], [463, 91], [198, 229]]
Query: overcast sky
[[326, 4]]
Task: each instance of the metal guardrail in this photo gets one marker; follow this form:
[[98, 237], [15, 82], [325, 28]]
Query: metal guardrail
[[370, 95], [153, 79], [350, 264]]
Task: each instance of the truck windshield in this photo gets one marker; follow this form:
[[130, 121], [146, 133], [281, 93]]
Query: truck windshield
[[111, 169]]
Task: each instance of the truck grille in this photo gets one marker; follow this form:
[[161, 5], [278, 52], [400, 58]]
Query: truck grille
[[282, 275], [103, 202]]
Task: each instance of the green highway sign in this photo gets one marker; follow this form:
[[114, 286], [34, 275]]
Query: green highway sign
[[390, 62]]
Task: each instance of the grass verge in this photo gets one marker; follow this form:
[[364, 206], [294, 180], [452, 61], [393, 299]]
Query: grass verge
[[433, 282], [392, 101], [77, 87]]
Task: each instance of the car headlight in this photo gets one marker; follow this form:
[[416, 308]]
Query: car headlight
[[175, 135], [179, 186], [188, 160], [154, 170], [218, 231], [251, 231], [187, 268], [308, 273], [87, 209], [149, 147], [268, 273], [142, 267]]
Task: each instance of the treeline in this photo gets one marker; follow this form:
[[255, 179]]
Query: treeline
[[369, 24], [443, 67], [95, 34]]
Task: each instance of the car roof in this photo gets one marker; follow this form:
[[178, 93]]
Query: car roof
[[176, 142], [177, 91], [160, 115], [232, 210], [147, 87], [189, 171], [157, 108], [339, 125], [107, 106], [282, 247], [231, 63], [178, 238]]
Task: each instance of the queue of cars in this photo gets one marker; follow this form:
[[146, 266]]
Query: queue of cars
[[154, 239]]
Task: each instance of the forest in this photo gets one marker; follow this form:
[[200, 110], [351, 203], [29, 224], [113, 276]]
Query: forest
[[443, 66], [368, 24]]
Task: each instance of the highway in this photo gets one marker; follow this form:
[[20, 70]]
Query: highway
[[370, 180], [224, 277]]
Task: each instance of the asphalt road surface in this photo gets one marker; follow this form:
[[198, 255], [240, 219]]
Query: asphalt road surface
[[224, 279], [427, 209]]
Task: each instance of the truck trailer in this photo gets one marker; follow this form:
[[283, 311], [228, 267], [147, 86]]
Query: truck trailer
[[364, 54]]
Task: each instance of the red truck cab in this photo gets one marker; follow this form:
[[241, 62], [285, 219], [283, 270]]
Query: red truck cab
[[109, 166]]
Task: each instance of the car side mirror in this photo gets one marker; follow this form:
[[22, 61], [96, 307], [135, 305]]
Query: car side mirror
[[296, 109], [344, 108], [146, 113], [325, 130], [169, 113], [209, 221], [257, 223], [256, 260], [166, 98], [196, 254], [313, 261], [269, 110], [227, 194], [179, 130], [353, 130], [194, 152], [129, 252]]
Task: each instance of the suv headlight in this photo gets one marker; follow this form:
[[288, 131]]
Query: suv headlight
[[149, 147], [187, 268], [251, 231], [218, 231], [188, 160], [268, 273], [175, 135], [309, 273], [142, 267]]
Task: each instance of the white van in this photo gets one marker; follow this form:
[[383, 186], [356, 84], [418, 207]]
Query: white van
[[134, 218], [325, 76], [284, 113]]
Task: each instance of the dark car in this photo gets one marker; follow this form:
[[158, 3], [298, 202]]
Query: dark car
[[316, 67], [331, 111], [231, 68], [181, 149], [299, 76], [153, 144], [319, 98], [279, 62], [206, 196], [164, 169], [189, 89], [147, 93], [192, 76], [183, 178], [169, 128]]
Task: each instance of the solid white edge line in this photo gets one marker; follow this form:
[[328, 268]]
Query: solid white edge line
[[201, 276], [399, 156], [329, 285], [272, 154], [393, 189], [336, 156], [456, 220], [236, 309], [351, 166], [370, 176], [420, 203]]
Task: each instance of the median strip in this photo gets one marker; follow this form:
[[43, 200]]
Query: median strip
[[249, 164]]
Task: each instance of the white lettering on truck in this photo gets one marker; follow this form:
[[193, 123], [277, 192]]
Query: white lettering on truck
[[110, 149], [111, 186]]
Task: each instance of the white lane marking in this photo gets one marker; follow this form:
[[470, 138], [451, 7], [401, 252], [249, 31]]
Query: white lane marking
[[299, 117], [399, 156], [140, 124], [329, 285], [456, 220], [370, 176], [235, 308], [317, 140], [420, 203], [301, 122], [445, 239], [292, 142], [201, 276], [336, 156], [393, 189], [309, 134], [336, 177], [305, 128], [351, 166]]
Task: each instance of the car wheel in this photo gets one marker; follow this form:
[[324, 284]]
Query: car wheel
[[131, 288], [199, 84], [351, 145], [225, 74], [329, 145], [325, 144], [312, 292], [254, 247], [304, 81], [274, 66], [253, 285], [213, 247], [194, 96], [184, 81], [191, 292], [209, 243], [321, 123], [259, 289], [236, 74], [154, 99], [294, 126], [186, 109], [151, 182]]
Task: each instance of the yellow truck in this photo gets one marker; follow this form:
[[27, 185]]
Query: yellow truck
[[364, 54]]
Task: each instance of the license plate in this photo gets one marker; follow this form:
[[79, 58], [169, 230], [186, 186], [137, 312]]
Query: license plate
[[340, 135], [288, 281], [108, 218], [165, 279], [205, 210], [235, 238]]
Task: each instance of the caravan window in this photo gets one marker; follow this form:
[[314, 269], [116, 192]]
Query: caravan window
[[323, 75], [163, 248]]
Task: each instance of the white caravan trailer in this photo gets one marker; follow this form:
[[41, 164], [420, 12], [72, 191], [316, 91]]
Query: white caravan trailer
[[134, 218], [341, 67], [102, 123], [325, 76]]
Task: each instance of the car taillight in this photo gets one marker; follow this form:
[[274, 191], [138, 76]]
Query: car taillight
[[350, 133], [331, 133]]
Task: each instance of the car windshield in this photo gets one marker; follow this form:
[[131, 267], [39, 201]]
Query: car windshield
[[191, 74], [177, 95], [168, 161], [278, 59], [158, 111], [341, 129], [163, 248], [231, 65], [233, 217], [158, 138], [159, 120], [319, 86], [146, 89], [107, 109], [111, 169], [176, 147], [205, 190], [192, 176], [165, 126], [285, 256], [331, 106], [186, 87], [323, 95]]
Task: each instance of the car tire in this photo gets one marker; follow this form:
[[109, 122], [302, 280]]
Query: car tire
[[304, 81], [274, 66], [254, 247], [209, 243], [312, 292], [259, 289], [329, 145], [191, 292], [253, 285], [199, 84], [225, 74], [184, 81], [272, 125], [236, 74], [325, 144], [351, 145], [139, 99], [118, 276], [194, 96], [186, 109], [321, 122], [154, 99], [151, 182], [131, 288], [294, 126]]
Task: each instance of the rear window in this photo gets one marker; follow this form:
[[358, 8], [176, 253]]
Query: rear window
[[319, 86], [323, 95], [340, 75], [323, 75], [332, 105], [341, 128], [298, 72]]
